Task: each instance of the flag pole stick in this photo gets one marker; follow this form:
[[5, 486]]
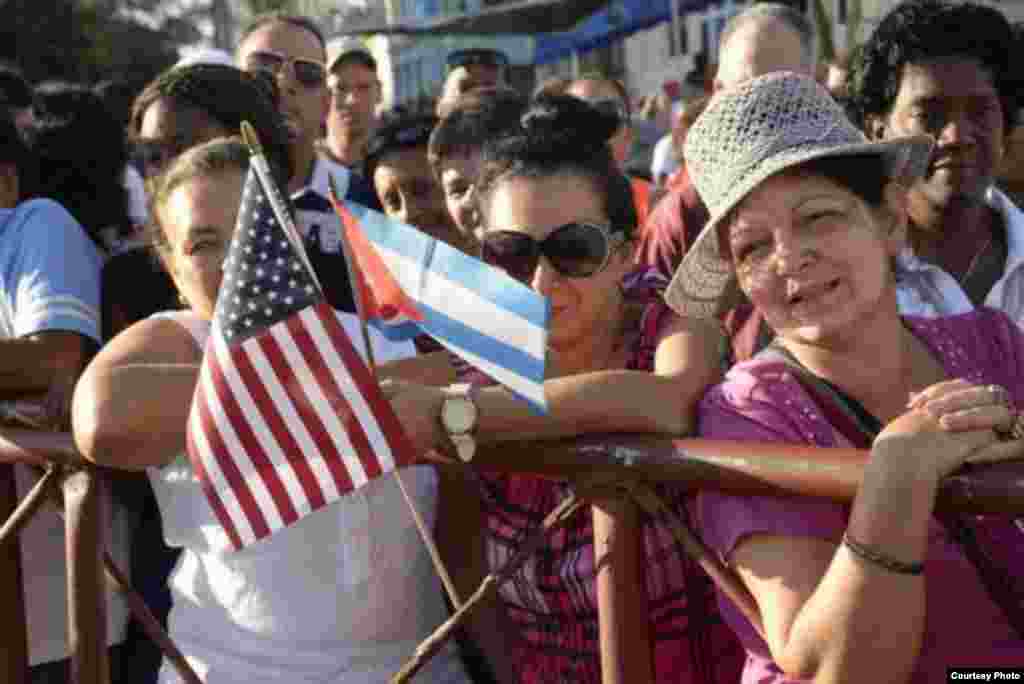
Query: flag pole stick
[[421, 526]]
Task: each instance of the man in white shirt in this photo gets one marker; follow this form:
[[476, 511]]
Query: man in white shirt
[[292, 50], [923, 70], [355, 95]]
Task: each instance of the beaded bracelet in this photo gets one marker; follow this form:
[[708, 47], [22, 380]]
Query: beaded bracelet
[[882, 561]]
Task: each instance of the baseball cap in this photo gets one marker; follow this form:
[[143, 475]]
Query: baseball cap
[[349, 48]]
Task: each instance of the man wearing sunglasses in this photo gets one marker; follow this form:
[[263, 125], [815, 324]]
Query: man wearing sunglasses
[[469, 69], [292, 50]]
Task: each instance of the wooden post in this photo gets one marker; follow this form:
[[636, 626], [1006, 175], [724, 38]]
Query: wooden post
[[87, 599], [14, 645], [625, 640]]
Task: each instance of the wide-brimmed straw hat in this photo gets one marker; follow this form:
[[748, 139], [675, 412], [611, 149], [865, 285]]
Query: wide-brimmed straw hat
[[753, 131]]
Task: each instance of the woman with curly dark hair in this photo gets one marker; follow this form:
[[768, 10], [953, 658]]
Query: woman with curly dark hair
[[80, 154], [948, 70]]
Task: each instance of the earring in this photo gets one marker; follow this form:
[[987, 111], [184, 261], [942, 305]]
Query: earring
[[184, 302]]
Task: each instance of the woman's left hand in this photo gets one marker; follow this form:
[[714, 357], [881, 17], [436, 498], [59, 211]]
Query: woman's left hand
[[418, 408], [960, 405]]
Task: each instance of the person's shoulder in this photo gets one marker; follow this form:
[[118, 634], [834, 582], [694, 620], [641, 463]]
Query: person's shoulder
[[330, 165], [757, 384], [42, 209], [165, 337], [976, 322], [762, 400], [45, 222], [983, 335]]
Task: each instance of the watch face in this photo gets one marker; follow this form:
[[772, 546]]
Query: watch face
[[458, 415]]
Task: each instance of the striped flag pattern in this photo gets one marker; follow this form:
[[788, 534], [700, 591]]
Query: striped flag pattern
[[286, 417], [494, 322]]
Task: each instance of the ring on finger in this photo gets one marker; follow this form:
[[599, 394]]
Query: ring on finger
[[999, 395]]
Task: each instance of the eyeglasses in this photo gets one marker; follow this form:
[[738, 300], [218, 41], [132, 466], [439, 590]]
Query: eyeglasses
[[307, 72], [475, 56], [575, 250]]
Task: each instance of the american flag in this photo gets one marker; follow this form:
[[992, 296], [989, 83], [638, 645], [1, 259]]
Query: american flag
[[286, 417]]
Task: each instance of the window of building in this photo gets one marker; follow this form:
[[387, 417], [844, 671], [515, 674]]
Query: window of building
[[449, 7]]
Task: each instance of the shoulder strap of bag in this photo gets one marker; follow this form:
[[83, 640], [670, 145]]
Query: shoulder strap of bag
[[849, 421]]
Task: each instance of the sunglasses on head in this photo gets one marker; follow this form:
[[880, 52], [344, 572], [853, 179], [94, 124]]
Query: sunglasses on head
[[575, 250], [307, 72]]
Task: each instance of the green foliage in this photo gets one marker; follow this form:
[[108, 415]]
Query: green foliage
[[826, 45], [261, 6], [823, 24], [79, 41]]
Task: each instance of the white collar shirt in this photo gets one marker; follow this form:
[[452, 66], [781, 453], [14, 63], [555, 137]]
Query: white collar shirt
[[318, 183], [924, 289]]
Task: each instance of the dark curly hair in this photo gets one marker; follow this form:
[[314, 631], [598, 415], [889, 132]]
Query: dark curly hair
[[561, 134], [475, 117], [80, 155], [229, 96], [921, 30], [398, 130]]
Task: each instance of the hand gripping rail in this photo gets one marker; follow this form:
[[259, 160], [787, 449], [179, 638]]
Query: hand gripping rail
[[741, 468], [633, 463]]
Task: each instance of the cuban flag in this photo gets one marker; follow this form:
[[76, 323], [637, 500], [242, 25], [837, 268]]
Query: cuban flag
[[421, 284]]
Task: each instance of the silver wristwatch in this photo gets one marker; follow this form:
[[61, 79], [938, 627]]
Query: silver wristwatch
[[458, 418]]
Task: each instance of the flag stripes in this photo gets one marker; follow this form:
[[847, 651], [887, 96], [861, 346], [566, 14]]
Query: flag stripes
[[476, 311], [280, 428]]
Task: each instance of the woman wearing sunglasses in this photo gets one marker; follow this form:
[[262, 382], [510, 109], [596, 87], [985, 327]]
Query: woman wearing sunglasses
[[557, 214]]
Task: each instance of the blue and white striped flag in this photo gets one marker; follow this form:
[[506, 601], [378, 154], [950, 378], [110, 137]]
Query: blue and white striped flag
[[478, 312]]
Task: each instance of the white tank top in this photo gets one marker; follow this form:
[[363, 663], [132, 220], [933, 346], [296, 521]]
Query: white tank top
[[343, 595]]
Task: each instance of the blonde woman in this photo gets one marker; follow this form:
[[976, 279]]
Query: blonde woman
[[343, 595]]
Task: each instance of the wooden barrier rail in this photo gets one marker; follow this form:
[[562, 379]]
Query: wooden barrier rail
[[742, 468], [82, 490], [90, 568]]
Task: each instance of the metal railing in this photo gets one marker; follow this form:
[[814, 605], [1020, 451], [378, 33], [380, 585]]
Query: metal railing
[[741, 468]]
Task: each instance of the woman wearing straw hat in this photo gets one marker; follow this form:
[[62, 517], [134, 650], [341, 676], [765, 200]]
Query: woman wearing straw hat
[[806, 216]]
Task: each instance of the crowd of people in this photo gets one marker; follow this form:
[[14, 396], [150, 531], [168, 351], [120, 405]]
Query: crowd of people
[[821, 255]]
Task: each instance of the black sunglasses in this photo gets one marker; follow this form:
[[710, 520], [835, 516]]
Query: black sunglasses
[[475, 56], [307, 72], [575, 250]]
